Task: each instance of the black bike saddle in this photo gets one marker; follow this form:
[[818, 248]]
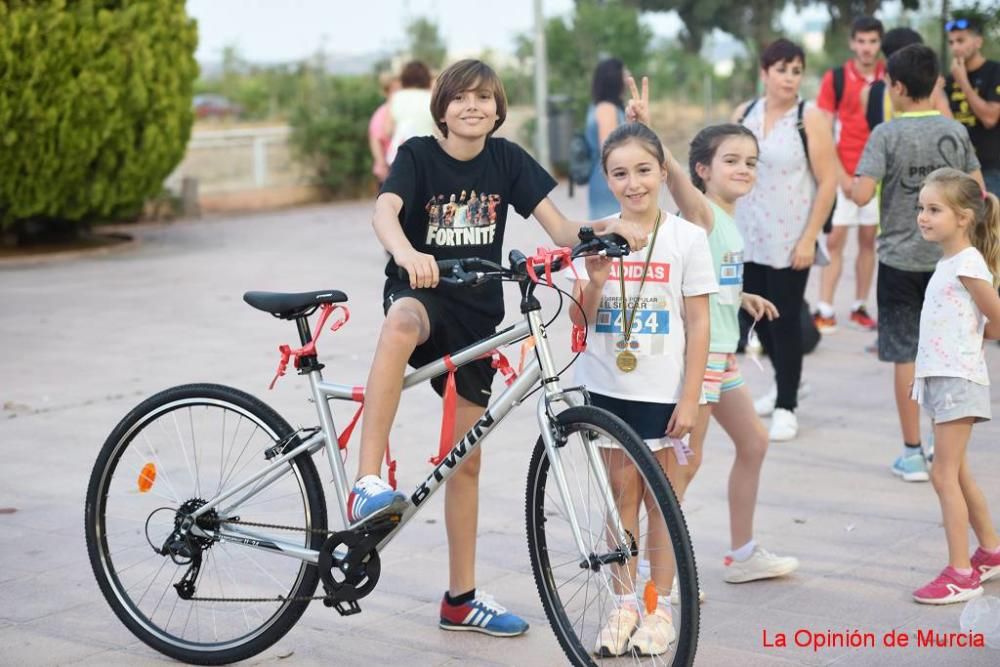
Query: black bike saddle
[[290, 305]]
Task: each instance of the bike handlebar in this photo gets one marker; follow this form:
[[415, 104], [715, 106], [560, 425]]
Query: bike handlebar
[[475, 271]]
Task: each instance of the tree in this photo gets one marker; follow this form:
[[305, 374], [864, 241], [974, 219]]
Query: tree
[[842, 14], [751, 21], [95, 105], [570, 46], [425, 43], [330, 129]]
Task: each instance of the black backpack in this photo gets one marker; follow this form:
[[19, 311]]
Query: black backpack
[[875, 111]]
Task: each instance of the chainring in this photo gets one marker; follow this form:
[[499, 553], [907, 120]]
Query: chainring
[[355, 575]]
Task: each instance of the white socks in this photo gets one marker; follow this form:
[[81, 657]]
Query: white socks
[[743, 552]]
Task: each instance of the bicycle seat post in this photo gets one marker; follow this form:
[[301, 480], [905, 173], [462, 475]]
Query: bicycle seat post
[[305, 334], [307, 363]]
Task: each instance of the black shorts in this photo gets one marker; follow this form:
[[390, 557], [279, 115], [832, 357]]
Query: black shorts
[[452, 328], [649, 420], [900, 296]]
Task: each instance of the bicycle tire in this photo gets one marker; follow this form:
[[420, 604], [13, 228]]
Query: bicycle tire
[[108, 520], [541, 507]]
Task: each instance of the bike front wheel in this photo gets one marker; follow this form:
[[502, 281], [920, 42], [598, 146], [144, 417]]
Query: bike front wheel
[[607, 478], [203, 600]]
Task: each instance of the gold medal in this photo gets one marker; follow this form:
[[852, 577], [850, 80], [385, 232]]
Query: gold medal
[[626, 361]]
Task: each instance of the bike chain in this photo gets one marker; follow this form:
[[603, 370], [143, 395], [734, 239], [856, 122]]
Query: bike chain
[[297, 598]]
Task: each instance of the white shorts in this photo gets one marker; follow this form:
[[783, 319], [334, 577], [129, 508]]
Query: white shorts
[[849, 214]]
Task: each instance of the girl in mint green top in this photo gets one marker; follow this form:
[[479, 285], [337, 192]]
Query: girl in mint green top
[[723, 164], [726, 245]]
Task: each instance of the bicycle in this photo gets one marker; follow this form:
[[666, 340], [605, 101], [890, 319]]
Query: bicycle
[[196, 491]]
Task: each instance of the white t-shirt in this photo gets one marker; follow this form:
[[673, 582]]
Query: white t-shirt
[[951, 325], [681, 266], [410, 109]]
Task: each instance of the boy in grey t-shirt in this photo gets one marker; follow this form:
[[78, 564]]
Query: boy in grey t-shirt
[[900, 154]]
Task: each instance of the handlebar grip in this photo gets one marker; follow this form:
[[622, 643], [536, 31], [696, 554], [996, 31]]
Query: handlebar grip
[[518, 261], [445, 269]]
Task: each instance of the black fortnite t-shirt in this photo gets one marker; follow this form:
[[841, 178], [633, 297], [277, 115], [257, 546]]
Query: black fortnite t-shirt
[[456, 209], [986, 82]]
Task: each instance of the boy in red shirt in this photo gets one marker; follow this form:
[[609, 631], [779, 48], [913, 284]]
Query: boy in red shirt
[[840, 97]]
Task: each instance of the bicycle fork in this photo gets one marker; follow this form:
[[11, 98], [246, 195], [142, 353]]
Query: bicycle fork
[[553, 443]]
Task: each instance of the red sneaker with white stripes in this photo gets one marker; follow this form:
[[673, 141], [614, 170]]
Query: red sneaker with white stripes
[[482, 614]]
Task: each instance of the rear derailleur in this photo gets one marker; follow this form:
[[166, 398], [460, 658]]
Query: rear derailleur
[[185, 548]]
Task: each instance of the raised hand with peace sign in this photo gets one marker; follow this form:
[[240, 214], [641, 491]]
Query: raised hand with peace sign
[[637, 110]]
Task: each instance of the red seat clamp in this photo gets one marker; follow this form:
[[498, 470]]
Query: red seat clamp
[[309, 349]]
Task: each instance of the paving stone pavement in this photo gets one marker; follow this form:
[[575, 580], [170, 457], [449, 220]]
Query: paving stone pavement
[[85, 339]]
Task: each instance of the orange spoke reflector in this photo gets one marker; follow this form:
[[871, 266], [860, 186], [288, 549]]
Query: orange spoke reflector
[[649, 596], [146, 477]]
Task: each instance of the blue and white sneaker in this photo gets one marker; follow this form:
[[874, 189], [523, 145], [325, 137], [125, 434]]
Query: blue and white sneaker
[[481, 615], [371, 496], [912, 468]]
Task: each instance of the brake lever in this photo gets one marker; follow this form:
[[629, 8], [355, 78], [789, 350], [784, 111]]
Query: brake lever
[[461, 276]]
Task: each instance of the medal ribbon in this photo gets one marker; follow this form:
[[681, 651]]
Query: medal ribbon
[[627, 326]]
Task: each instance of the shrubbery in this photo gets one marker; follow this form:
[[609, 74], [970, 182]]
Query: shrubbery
[[330, 130], [95, 105]]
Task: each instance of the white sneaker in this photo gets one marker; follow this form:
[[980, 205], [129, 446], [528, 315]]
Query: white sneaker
[[655, 634], [764, 405], [614, 638], [675, 593], [762, 564], [784, 425]]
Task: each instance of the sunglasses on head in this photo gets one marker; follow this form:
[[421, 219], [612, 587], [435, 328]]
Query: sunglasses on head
[[957, 24]]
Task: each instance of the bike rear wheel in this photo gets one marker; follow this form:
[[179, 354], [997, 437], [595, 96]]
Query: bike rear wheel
[[168, 456], [579, 595]]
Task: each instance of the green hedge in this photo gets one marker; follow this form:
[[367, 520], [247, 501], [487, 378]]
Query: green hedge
[[95, 105], [330, 130]]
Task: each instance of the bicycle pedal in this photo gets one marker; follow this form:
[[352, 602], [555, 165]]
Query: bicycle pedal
[[382, 524], [347, 608]]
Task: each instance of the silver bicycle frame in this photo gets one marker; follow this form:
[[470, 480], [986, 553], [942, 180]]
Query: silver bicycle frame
[[541, 367]]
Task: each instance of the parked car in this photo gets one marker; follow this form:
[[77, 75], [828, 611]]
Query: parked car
[[215, 106]]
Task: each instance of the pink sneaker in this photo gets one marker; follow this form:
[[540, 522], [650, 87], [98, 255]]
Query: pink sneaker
[[949, 587], [986, 564]]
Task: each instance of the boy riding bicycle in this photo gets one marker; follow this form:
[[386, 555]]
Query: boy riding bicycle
[[425, 320]]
